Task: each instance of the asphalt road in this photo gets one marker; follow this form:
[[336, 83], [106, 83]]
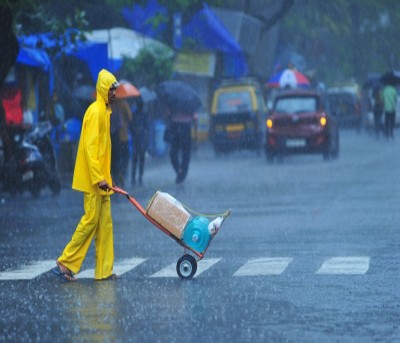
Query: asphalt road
[[309, 254]]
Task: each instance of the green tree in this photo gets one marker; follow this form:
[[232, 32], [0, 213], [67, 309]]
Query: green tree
[[344, 38], [38, 16], [151, 66], [9, 40]]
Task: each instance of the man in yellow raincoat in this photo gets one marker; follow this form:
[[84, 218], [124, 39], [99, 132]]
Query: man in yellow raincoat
[[92, 176]]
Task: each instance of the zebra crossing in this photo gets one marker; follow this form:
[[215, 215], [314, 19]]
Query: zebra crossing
[[263, 266]]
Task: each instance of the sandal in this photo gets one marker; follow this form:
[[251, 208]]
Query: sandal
[[64, 273]]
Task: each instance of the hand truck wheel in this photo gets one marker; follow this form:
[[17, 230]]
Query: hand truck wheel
[[186, 267]]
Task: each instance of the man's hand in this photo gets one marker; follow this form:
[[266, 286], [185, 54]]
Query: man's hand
[[103, 185]]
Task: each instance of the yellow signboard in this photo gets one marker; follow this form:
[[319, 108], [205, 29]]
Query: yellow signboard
[[195, 63]]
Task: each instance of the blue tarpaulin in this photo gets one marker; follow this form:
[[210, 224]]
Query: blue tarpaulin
[[33, 52], [140, 18], [95, 56], [207, 30], [35, 57]]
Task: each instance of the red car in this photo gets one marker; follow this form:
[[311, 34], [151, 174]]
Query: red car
[[301, 122]]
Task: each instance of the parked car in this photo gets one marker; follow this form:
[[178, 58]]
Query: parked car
[[345, 103], [238, 113], [301, 122]]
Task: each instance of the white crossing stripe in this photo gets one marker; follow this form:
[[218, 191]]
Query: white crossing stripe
[[202, 265], [345, 265], [120, 268], [29, 271], [342, 265], [264, 266]]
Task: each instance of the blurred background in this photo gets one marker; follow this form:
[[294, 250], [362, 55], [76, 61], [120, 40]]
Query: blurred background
[[53, 51]]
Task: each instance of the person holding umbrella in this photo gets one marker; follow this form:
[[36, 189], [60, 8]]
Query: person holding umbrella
[[180, 126], [119, 127], [121, 121], [140, 138], [389, 97], [180, 102]]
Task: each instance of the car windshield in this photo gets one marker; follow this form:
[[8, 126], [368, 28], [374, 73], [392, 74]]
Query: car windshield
[[296, 104], [337, 99], [234, 102]]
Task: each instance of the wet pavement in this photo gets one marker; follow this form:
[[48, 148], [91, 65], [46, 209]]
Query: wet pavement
[[310, 253]]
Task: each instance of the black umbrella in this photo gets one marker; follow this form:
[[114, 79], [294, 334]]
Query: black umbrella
[[391, 78], [178, 96], [373, 81]]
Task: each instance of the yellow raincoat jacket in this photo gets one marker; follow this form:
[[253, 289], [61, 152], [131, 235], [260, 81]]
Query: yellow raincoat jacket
[[93, 160]]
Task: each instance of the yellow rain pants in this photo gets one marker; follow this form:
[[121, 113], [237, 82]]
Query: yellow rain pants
[[97, 223]]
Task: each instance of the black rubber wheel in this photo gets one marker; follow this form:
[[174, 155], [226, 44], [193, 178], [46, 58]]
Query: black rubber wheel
[[186, 267]]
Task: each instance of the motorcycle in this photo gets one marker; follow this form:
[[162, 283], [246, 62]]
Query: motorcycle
[[32, 165]]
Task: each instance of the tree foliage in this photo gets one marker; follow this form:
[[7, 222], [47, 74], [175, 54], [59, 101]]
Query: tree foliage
[[344, 38], [338, 38], [151, 66], [38, 16]]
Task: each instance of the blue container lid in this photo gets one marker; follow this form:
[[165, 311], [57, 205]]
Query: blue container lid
[[196, 234]]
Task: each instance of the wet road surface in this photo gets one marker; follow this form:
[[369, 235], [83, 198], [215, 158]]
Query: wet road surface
[[310, 253]]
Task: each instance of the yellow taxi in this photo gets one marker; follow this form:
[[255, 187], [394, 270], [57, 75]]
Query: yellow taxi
[[238, 113]]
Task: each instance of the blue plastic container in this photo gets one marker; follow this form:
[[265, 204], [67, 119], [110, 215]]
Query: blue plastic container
[[196, 234], [157, 147]]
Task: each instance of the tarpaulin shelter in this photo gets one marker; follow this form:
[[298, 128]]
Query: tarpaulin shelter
[[19, 92], [138, 18], [94, 54], [210, 34], [205, 29], [36, 57], [33, 53], [121, 42]]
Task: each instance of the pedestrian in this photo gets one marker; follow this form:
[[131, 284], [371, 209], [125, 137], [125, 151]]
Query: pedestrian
[[179, 135], [57, 119], [121, 119], [377, 109], [92, 176], [115, 125], [389, 98], [140, 139]]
